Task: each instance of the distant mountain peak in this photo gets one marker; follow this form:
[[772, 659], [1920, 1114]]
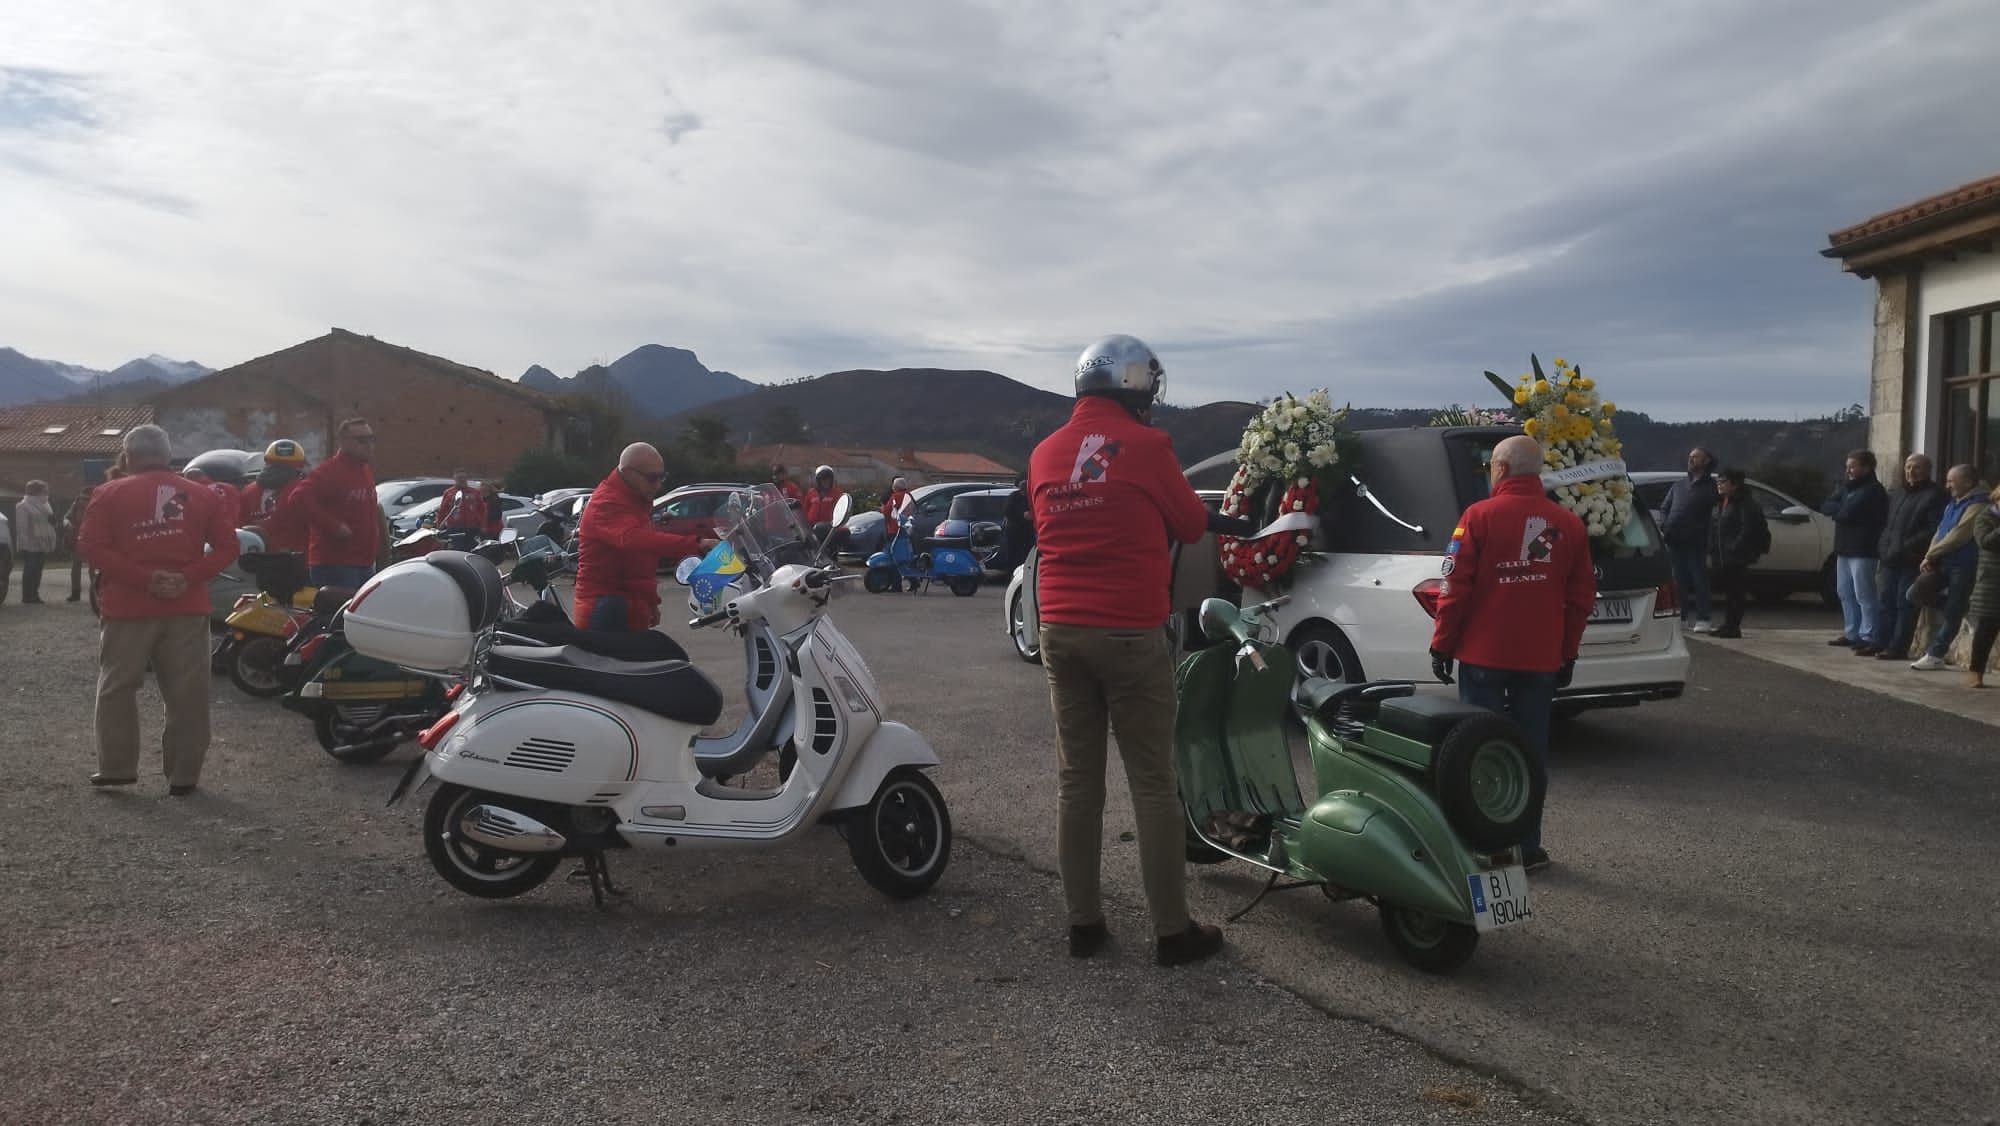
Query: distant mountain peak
[[656, 380]]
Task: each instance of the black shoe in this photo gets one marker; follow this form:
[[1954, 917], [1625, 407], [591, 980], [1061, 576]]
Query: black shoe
[[181, 791], [1191, 945], [1893, 655], [74, 598], [1086, 941], [102, 780], [1728, 633], [1865, 651], [1536, 860], [1842, 642]]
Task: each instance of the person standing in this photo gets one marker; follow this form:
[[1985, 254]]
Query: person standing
[[462, 506], [1914, 513], [619, 548], [1741, 537], [1519, 588], [1684, 524], [73, 524], [1860, 510], [34, 537], [157, 539], [781, 479], [1984, 607], [817, 508], [1108, 498], [266, 503], [343, 520], [1954, 555], [6, 555], [492, 510], [1018, 520]]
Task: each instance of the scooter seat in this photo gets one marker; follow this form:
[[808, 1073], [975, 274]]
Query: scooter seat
[[543, 624], [672, 690], [1427, 719]]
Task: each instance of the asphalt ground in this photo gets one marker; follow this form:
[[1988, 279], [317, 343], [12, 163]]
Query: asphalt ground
[[276, 949]]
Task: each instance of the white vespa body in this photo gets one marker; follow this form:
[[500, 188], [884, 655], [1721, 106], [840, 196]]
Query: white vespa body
[[549, 752]]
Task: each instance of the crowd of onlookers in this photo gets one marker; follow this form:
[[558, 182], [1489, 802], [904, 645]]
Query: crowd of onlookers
[[1913, 566]]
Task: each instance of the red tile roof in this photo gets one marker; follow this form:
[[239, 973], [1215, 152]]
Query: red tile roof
[[969, 465], [83, 428], [1979, 195]]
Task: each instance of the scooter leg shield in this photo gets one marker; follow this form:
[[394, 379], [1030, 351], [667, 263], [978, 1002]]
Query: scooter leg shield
[[891, 746], [1201, 748], [1259, 702]]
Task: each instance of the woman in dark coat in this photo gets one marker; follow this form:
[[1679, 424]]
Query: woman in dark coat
[[1984, 610], [1737, 537]]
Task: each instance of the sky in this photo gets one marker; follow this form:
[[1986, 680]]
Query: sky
[[1378, 197]]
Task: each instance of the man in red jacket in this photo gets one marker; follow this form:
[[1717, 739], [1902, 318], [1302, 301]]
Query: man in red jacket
[[338, 502], [156, 539], [619, 549], [1518, 590], [462, 507], [266, 503], [781, 480], [1108, 496]]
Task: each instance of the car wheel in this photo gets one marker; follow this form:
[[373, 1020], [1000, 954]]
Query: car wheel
[[1027, 645], [1320, 650]]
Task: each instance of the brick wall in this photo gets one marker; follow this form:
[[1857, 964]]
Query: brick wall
[[429, 421]]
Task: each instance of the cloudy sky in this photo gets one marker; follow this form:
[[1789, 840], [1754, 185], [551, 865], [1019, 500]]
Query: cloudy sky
[[1378, 197]]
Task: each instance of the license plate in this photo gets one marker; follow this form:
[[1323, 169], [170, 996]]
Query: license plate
[[1500, 898], [1611, 610]]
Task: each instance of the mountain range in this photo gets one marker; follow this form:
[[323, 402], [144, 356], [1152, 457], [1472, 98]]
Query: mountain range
[[652, 380], [25, 379]]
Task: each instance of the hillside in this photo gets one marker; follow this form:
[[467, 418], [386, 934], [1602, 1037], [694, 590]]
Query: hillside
[[653, 380], [25, 379]]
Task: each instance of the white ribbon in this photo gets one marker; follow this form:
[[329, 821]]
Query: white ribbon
[[1289, 522], [1578, 474]]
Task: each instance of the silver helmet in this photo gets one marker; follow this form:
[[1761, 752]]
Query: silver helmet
[[1122, 367]]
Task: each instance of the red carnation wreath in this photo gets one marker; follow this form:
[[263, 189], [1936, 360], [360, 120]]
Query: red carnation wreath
[[1263, 561]]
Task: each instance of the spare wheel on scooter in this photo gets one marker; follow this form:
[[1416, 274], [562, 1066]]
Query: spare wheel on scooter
[[1485, 777]]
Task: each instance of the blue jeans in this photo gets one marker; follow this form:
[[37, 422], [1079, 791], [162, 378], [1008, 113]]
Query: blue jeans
[[346, 578], [1691, 576], [1895, 615], [1528, 697], [608, 614], [1957, 598], [1855, 575]]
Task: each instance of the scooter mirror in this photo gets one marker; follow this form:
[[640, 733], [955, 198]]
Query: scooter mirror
[[509, 535], [684, 574], [841, 509], [1219, 619]]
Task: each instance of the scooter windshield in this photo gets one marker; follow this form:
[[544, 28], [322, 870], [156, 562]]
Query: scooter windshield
[[764, 529]]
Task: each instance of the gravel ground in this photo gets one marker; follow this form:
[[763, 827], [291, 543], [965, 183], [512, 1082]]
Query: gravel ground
[[276, 949]]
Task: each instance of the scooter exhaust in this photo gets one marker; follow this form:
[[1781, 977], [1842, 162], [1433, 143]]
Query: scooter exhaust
[[365, 747], [502, 828]]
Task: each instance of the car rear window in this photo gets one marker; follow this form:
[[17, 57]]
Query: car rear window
[[988, 509]]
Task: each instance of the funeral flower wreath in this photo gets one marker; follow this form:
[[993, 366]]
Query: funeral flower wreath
[[1580, 447], [1292, 447]]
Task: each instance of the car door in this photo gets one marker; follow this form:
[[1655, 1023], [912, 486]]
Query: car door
[[929, 513], [691, 515], [1795, 544]]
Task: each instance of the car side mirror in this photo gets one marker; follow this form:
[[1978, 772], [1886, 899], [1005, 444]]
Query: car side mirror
[[1796, 514]]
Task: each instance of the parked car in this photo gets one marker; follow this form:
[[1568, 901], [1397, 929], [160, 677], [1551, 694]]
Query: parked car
[[692, 510], [1801, 555], [516, 512], [397, 497], [929, 506], [1363, 598], [983, 512]]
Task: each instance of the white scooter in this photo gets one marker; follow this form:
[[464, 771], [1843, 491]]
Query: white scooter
[[552, 752]]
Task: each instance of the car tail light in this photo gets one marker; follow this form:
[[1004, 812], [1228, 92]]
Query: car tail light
[[1429, 593], [1667, 601], [436, 731]]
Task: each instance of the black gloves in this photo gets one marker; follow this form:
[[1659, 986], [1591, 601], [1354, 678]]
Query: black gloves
[[1231, 526], [1441, 667], [1565, 674]]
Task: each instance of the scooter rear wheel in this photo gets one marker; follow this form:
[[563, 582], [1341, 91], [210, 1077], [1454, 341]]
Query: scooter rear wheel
[[256, 665], [475, 869], [901, 840], [965, 586], [327, 728], [1431, 944]]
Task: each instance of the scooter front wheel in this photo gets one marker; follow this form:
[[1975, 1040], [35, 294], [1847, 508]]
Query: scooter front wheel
[[901, 840], [1431, 944], [879, 580], [256, 666], [474, 869]]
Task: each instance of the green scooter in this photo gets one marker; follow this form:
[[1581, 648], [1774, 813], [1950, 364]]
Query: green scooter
[[1421, 800]]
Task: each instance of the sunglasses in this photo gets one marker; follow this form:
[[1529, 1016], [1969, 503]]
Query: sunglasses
[[650, 478]]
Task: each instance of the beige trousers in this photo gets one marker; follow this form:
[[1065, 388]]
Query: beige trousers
[[1116, 680], [177, 649]]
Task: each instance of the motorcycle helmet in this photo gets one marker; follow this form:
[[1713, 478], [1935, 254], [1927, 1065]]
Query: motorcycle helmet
[[1122, 368], [823, 471], [284, 451]]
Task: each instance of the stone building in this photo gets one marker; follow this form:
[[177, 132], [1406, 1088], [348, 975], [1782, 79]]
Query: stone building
[[432, 415], [1935, 379]]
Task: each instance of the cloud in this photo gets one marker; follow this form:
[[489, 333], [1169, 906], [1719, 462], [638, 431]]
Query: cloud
[[1380, 199]]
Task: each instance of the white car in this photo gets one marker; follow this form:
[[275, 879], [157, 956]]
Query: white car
[[516, 512], [398, 497], [1801, 555], [1362, 602]]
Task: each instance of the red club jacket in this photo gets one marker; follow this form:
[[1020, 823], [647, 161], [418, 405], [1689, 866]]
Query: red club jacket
[[462, 510], [620, 551], [890, 509], [818, 507], [340, 490], [1108, 496], [792, 491], [281, 517], [1518, 582], [232, 497], [155, 520]]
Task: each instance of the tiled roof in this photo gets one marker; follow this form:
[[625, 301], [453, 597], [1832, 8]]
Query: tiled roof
[[1979, 195], [800, 460], [973, 465], [71, 428]]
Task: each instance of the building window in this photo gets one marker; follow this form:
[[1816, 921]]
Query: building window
[[1967, 346]]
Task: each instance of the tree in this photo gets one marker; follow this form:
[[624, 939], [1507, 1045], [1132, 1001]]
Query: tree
[[1804, 483], [782, 425], [594, 426], [539, 470]]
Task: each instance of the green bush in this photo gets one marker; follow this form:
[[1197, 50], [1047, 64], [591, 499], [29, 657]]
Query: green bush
[[538, 470]]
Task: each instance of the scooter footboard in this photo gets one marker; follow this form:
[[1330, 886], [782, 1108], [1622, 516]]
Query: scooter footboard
[[893, 745]]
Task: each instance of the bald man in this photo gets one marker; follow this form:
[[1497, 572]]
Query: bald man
[[617, 587], [1518, 590]]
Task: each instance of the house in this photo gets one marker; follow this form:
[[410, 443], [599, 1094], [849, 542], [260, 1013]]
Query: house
[[69, 445], [432, 415], [866, 470], [1935, 378]]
